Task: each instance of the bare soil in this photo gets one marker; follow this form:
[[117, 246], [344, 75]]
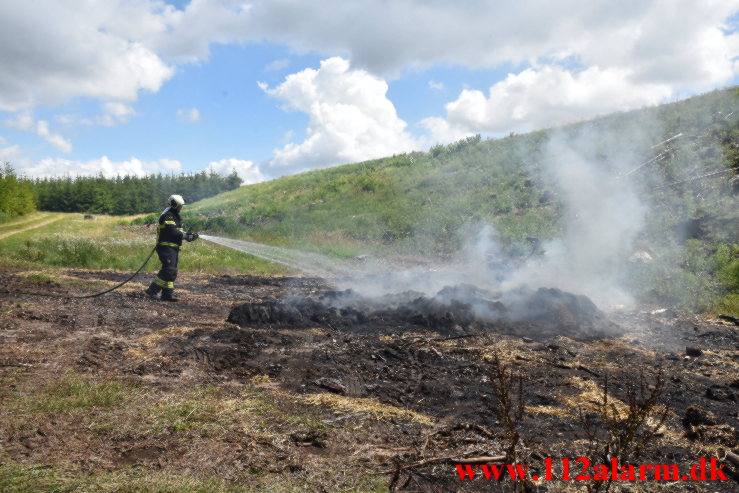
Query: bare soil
[[333, 400]]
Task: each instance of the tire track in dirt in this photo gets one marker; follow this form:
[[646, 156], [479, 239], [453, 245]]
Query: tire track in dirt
[[33, 226], [12, 224]]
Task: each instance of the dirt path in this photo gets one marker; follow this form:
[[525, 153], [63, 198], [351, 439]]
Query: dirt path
[[25, 219], [33, 226], [96, 386]]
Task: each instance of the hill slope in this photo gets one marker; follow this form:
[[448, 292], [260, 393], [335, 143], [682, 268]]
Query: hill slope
[[660, 180]]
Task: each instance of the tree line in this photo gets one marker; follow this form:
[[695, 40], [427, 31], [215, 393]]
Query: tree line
[[17, 195], [127, 194], [100, 195]]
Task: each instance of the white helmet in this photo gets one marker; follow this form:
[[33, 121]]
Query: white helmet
[[175, 201]]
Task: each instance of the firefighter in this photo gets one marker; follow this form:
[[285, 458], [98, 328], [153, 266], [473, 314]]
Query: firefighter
[[169, 239]]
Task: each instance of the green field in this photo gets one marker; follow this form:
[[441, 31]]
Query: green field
[[108, 242]]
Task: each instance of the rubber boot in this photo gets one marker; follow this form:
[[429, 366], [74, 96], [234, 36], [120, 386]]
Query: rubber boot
[[153, 291], [168, 295]]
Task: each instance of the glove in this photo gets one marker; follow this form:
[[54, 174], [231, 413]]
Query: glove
[[191, 237]]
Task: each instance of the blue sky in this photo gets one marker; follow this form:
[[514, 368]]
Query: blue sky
[[269, 88]]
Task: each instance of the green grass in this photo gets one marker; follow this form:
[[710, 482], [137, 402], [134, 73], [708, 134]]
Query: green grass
[[109, 243], [23, 221], [41, 278], [30, 479], [197, 410], [74, 393], [728, 305]]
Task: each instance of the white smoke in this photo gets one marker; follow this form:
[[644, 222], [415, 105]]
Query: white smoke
[[602, 216]]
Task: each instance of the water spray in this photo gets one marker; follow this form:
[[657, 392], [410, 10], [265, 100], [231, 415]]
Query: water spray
[[311, 263]]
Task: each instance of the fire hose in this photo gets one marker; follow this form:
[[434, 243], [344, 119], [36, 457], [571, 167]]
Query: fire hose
[[95, 295], [72, 296]]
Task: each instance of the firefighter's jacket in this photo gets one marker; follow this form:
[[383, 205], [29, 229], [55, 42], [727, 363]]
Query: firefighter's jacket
[[170, 232]]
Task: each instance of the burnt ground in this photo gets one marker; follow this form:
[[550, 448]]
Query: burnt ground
[[263, 383]]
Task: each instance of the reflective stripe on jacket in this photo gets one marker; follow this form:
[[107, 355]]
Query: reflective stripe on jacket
[[170, 231]]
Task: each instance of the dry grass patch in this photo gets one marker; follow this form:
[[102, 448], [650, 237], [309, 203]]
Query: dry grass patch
[[365, 405], [550, 410], [506, 352], [149, 341], [604, 346], [590, 397]]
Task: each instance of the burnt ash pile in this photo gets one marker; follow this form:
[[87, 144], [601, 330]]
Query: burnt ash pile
[[455, 310]]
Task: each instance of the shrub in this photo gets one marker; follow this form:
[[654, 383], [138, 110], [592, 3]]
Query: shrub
[[624, 430], [142, 221], [79, 252], [30, 252]]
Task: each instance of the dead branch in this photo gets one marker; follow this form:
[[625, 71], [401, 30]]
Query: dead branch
[[729, 318], [669, 140], [481, 460], [452, 459], [732, 457], [695, 178], [656, 158], [463, 427], [588, 370]]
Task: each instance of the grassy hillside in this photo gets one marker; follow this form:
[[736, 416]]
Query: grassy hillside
[[422, 200], [417, 202], [428, 203]]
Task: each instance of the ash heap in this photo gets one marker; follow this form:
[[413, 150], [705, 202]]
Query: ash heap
[[454, 311]]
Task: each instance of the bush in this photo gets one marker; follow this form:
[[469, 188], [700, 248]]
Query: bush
[[143, 221], [30, 252], [727, 263], [728, 305], [79, 252], [16, 195]]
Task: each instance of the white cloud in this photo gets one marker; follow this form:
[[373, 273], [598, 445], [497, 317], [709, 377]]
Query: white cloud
[[388, 37], [115, 112], [277, 65], [186, 35], [627, 55], [543, 97], [8, 151], [442, 131], [26, 122], [22, 120], [56, 140], [351, 118], [189, 116], [55, 51], [391, 36], [51, 167], [436, 86], [247, 170]]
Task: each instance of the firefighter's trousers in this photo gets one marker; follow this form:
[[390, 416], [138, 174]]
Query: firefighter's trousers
[[165, 279]]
